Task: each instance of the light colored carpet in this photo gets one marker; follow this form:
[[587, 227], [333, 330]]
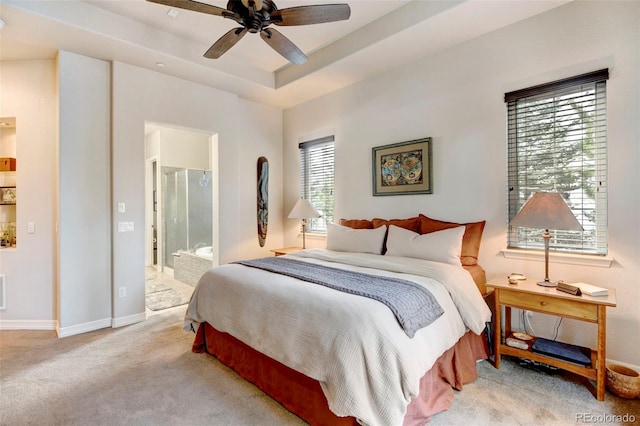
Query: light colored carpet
[[146, 374], [142, 374], [516, 395]]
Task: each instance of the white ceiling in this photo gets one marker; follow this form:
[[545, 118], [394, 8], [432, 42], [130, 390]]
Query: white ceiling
[[379, 35]]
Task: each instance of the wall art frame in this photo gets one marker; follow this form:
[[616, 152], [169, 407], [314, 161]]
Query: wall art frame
[[403, 168], [8, 195]]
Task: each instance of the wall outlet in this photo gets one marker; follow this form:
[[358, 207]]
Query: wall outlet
[[529, 314], [122, 292]]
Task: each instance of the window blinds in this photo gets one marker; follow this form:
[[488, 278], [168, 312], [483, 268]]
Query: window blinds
[[557, 142], [317, 180]]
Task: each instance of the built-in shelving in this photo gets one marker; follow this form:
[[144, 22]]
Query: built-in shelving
[[8, 185]]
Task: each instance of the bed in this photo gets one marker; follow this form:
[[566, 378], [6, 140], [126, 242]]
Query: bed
[[338, 357]]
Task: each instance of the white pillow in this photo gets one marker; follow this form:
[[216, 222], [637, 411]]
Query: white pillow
[[343, 238], [440, 246]]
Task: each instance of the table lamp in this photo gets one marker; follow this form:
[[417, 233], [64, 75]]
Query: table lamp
[[546, 210], [303, 210]]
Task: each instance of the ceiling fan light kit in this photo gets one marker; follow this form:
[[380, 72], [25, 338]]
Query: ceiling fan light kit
[[256, 16]]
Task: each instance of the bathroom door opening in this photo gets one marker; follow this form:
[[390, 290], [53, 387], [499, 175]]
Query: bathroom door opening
[[181, 208]]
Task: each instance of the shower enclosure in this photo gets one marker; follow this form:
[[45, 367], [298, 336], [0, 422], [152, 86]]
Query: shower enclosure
[[188, 211]]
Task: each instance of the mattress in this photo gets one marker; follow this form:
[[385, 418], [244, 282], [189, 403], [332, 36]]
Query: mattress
[[367, 367]]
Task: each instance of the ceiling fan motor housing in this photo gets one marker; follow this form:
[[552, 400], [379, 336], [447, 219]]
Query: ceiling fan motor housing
[[254, 21]]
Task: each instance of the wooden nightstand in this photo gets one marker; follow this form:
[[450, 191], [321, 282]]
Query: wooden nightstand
[[529, 296], [285, 250]]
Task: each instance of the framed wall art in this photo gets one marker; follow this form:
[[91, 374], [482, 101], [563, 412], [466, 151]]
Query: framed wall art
[[8, 195], [402, 168]]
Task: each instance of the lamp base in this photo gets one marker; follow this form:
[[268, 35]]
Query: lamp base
[[547, 283]]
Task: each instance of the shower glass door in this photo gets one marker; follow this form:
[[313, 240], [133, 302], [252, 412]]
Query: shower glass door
[[176, 225], [187, 211]]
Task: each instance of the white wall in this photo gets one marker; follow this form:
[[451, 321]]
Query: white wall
[[245, 131], [185, 149], [84, 236], [456, 97], [29, 93], [261, 137]]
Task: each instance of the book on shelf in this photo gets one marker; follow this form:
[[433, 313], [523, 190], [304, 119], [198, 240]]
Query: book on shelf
[[591, 290]]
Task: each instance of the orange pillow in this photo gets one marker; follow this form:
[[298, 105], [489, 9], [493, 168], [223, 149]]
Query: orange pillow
[[470, 240], [411, 224], [357, 223]]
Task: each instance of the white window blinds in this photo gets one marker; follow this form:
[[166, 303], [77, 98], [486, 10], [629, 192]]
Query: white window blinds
[[557, 142], [317, 180]]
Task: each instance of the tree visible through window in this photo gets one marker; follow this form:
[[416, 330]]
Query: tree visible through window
[[317, 180], [557, 142]]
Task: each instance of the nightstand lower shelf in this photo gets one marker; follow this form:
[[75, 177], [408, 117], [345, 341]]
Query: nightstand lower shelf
[[587, 371]]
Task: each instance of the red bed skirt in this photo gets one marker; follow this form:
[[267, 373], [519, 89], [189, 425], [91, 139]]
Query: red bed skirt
[[303, 396]]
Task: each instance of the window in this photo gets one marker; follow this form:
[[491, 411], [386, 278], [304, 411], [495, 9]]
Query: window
[[557, 142], [316, 180]]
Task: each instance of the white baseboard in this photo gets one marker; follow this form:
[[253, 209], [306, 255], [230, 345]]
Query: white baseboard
[[74, 329], [84, 327], [129, 319], [28, 324]]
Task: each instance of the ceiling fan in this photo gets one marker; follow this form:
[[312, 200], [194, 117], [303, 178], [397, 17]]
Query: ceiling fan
[[256, 16]]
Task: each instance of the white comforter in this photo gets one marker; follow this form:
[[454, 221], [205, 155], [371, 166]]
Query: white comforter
[[366, 364]]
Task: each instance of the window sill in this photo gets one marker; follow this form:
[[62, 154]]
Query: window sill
[[312, 236], [571, 259]]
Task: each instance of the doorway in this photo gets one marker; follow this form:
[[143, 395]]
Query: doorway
[[181, 195]]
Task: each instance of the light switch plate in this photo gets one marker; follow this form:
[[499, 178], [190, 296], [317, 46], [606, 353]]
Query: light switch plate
[[125, 226]]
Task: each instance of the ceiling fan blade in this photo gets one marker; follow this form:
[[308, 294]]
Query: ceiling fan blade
[[283, 46], [195, 6], [225, 43], [316, 14]]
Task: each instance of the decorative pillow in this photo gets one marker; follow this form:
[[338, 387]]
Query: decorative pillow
[[343, 238], [470, 241], [411, 224], [357, 223], [440, 246]]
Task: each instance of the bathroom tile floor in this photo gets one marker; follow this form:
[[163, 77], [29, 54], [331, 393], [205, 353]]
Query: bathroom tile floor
[[167, 279]]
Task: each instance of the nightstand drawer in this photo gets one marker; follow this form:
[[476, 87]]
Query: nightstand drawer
[[549, 305]]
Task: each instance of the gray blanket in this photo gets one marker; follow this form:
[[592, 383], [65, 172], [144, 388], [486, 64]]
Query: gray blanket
[[413, 305]]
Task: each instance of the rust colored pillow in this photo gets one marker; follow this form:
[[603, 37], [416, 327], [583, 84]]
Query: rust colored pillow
[[470, 240], [411, 224], [357, 223]]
